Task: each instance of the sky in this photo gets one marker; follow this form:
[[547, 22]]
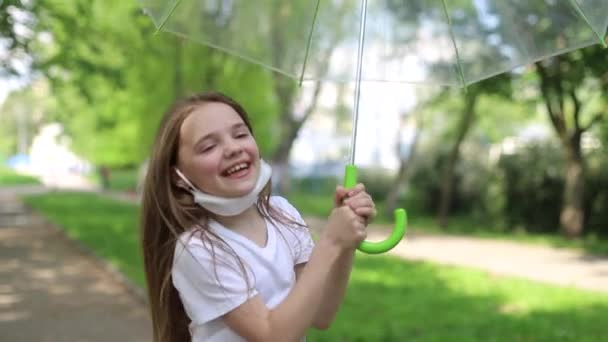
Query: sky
[[7, 85]]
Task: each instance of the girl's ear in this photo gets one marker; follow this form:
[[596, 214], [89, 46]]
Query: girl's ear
[[178, 179], [181, 184]]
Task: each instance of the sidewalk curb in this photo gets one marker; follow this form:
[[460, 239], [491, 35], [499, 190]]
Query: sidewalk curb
[[136, 291]]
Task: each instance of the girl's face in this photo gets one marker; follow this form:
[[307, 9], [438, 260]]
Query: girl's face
[[217, 152]]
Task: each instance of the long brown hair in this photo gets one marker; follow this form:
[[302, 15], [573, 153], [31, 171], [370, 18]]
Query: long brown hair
[[168, 211]]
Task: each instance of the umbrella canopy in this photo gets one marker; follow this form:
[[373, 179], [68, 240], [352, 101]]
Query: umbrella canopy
[[443, 42]]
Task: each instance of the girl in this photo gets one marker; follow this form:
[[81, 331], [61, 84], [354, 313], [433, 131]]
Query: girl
[[224, 260]]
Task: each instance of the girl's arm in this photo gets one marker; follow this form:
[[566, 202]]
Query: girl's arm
[[290, 320], [335, 290]]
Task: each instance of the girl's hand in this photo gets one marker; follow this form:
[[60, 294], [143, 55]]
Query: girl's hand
[[358, 200], [345, 228]]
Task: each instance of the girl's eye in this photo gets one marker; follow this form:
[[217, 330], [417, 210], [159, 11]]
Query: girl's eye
[[207, 148], [242, 135]]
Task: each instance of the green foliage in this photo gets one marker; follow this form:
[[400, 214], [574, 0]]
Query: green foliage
[[315, 184], [15, 34], [378, 182], [596, 194], [21, 116], [472, 179], [114, 82], [533, 184]]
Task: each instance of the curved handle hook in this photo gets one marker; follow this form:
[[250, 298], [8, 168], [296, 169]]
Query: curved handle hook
[[350, 180]]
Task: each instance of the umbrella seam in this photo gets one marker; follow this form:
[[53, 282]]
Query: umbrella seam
[[312, 28], [582, 14], [164, 21], [459, 64]]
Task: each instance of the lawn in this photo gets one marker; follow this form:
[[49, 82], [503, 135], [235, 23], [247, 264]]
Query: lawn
[[120, 180], [389, 299], [9, 177]]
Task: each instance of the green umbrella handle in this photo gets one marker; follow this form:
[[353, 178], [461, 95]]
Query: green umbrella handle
[[350, 180]]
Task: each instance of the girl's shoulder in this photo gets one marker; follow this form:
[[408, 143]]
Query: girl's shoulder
[[191, 248], [282, 204]]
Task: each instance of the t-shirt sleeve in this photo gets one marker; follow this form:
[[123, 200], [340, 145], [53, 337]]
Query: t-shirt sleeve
[[209, 285], [302, 242]]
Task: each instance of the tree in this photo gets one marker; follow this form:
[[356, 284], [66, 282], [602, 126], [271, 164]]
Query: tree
[[21, 116], [561, 80], [114, 82], [555, 28], [16, 34]]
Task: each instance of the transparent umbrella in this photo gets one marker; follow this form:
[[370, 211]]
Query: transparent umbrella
[[442, 42]]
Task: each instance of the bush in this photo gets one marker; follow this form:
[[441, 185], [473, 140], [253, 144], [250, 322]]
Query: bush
[[314, 185], [378, 182], [534, 183], [474, 190], [533, 186], [596, 194]]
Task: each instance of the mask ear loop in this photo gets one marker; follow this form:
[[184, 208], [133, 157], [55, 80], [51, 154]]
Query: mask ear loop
[[181, 175]]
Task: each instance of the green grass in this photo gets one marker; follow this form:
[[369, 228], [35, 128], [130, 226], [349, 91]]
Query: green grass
[[9, 177], [393, 300], [120, 180], [388, 299]]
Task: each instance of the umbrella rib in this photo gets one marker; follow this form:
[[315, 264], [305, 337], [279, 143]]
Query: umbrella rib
[[166, 18], [358, 76], [453, 37], [582, 14], [309, 43]]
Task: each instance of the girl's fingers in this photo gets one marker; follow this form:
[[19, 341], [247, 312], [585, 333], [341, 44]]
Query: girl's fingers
[[366, 212], [356, 190], [359, 201], [340, 195]]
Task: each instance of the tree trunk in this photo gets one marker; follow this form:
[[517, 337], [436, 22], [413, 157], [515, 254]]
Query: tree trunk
[[447, 182], [570, 132], [280, 161], [104, 173], [290, 129], [402, 175], [572, 214]]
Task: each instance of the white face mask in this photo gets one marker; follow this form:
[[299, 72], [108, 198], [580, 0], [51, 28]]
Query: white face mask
[[230, 206]]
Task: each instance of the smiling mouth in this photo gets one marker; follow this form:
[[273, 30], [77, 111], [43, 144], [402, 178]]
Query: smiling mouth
[[239, 169]]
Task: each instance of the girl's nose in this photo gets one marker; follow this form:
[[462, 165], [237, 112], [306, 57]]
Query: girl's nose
[[232, 148]]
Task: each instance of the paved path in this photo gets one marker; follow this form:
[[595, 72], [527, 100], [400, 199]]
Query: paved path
[[51, 292]]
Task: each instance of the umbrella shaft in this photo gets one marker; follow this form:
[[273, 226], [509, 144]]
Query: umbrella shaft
[[358, 79]]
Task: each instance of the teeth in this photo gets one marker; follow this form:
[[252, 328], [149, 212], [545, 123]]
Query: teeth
[[236, 168]]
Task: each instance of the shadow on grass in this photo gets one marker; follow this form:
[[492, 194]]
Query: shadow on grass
[[391, 300]]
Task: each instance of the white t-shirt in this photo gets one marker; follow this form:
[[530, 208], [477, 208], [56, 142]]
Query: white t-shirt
[[270, 271]]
